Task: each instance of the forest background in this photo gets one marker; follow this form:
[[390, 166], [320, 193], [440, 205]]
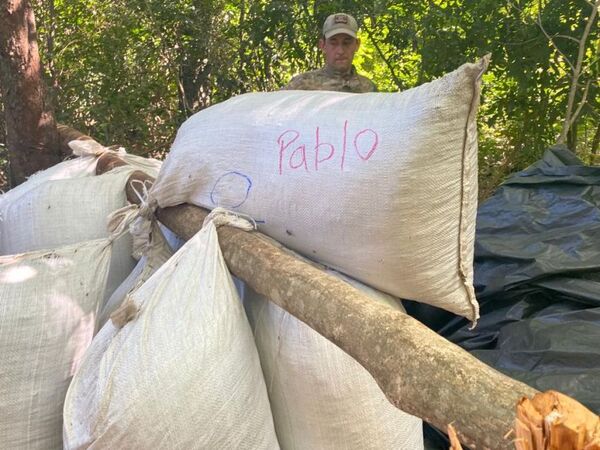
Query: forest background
[[129, 72]]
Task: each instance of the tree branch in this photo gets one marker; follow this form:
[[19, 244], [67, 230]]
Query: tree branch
[[539, 22], [399, 83], [581, 104], [569, 116], [564, 36]]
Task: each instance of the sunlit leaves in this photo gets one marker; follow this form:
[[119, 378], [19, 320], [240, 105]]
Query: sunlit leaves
[[129, 71]]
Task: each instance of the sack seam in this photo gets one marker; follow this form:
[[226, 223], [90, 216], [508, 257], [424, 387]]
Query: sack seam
[[464, 206]]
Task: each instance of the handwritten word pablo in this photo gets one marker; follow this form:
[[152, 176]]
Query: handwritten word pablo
[[296, 153]]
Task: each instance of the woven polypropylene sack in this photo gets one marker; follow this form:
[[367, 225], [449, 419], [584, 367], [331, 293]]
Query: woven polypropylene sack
[[66, 211], [73, 168], [82, 166], [183, 373], [381, 186], [48, 306], [321, 397]]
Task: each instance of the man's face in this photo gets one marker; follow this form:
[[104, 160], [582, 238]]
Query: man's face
[[339, 51]]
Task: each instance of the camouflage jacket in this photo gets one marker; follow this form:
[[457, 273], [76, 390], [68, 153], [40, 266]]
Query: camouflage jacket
[[326, 79]]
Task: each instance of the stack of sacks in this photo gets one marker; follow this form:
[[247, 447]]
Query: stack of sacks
[[67, 211], [83, 166], [178, 370], [321, 397], [48, 305], [46, 211], [52, 286], [380, 186]]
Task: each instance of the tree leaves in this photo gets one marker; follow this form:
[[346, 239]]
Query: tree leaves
[[130, 71]]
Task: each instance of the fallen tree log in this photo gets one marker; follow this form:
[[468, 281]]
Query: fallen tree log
[[419, 371]]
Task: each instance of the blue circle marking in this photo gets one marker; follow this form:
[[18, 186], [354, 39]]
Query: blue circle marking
[[228, 179]]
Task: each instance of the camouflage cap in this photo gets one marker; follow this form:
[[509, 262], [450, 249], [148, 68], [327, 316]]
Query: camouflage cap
[[340, 23]]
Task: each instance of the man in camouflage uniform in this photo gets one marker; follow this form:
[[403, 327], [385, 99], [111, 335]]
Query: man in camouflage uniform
[[338, 44]]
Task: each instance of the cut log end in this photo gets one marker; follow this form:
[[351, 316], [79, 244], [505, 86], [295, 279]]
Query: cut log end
[[553, 421]]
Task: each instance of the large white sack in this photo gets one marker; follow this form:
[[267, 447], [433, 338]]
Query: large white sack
[[48, 306], [382, 186], [73, 168], [321, 397], [84, 165], [66, 211], [183, 373]]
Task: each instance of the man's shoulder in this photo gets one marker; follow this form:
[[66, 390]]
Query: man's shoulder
[[321, 79], [366, 84], [310, 80]]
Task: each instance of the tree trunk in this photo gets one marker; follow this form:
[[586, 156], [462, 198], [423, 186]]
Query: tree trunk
[[596, 140], [572, 138], [32, 139], [574, 108]]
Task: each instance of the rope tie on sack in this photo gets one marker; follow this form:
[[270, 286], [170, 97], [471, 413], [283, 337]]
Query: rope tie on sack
[[148, 241], [136, 219], [141, 227], [147, 205], [139, 220], [221, 216]]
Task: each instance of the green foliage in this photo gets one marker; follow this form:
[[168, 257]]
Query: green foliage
[[130, 71]]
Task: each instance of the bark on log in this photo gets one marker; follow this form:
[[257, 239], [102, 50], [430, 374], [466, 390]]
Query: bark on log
[[67, 134]]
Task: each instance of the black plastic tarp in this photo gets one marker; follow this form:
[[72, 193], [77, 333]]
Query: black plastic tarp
[[537, 278], [543, 221]]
